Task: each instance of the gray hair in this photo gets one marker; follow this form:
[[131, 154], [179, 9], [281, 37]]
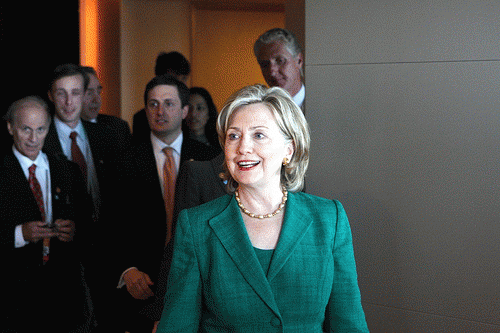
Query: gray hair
[[290, 120], [281, 35]]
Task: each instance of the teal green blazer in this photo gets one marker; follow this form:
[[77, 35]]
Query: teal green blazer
[[217, 284]]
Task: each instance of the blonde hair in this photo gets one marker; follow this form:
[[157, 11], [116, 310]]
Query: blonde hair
[[290, 120]]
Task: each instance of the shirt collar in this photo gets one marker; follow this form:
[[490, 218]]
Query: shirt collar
[[65, 130], [158, 145], [40, 161], [300, 96]]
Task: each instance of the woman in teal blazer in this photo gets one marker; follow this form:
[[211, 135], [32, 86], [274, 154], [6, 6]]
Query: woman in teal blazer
[[287, 267]]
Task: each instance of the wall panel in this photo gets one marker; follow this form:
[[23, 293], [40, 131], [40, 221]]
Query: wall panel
[[410, 145]]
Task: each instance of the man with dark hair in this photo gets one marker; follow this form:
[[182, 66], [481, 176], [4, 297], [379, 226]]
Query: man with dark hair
[[172, 63], [149, 184], [43, 199], [68, 135], [97, 152], [281, 62]]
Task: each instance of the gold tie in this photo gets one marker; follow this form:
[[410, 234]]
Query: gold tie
[[169, 188]]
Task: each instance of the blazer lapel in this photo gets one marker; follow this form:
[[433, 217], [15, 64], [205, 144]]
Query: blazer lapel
[[18, 181], [295, 225], [52, 144], [95, 141], [234, 238]]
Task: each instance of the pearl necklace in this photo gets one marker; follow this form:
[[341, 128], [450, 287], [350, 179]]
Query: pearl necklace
[[244, 210]]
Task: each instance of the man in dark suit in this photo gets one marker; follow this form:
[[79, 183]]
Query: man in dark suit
[[116, 128], [149, 227], [43, 200], [97, 153], [172, 63], [199, 182]]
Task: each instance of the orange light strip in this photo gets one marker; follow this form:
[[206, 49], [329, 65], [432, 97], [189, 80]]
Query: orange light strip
[[89, 33]]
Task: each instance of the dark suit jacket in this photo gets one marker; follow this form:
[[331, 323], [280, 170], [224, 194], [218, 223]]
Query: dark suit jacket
[[217, 284], [199, 182], [140, 126], [145, 235], [118, 129], [107, 153], [52, 297]]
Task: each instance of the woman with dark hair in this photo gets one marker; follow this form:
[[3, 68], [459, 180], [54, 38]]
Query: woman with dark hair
[[202, 118]]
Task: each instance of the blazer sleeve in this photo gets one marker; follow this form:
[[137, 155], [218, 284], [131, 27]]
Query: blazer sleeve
[[344, 312], [183, 299]]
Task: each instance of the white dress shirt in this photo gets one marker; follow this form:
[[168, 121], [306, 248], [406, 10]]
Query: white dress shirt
[[160, 156], [42, 174], [63, 132]]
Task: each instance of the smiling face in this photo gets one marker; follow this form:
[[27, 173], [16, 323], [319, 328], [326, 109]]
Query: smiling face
[[255, 147], [198, 114], [92, 99], [67, 95], [165, 113], [280, 68], [29, 128]]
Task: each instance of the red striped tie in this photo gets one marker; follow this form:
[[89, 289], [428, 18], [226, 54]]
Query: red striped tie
[[36, 189], [37, 192]]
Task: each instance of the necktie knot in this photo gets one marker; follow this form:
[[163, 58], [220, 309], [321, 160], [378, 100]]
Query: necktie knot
[[32, 169], [73, 136], [169, 151]]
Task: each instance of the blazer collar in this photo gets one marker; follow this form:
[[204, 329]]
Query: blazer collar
[[235, 240], [296, 222]]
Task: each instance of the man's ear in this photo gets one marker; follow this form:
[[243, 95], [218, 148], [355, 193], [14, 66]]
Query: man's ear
[[9, 128], [185, 110], [49, 94], [300, 60]]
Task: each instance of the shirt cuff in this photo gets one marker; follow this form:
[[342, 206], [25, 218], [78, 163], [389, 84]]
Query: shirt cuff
[[121, 282], [18, 237]]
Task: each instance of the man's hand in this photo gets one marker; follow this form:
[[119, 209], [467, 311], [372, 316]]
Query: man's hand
[[138, 283], [35, 230], [65, 230]]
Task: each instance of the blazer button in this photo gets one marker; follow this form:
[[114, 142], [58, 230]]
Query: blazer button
[[275, 322]]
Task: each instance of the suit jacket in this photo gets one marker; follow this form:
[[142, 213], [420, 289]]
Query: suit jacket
[[140, 127], [199, 182], [107, 152], [217, 284], [118, 129], [59, 287], [146, 218]]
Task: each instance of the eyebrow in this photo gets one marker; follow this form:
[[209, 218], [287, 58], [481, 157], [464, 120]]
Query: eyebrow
[[251, 128]]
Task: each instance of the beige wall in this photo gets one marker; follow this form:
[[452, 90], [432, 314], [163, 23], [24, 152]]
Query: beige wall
[[223, 59], [402, 100], [217, 42], [147, 28]]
